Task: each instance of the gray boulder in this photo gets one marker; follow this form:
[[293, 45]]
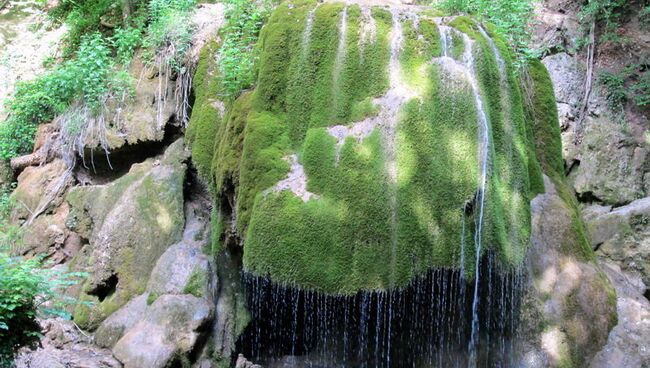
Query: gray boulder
[[118, 323], [171, 327], [129, 223], [622, 235], [628, 344], [570, 306]]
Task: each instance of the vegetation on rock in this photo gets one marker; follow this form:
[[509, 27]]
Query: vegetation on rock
[[313, 75], [29, 289]]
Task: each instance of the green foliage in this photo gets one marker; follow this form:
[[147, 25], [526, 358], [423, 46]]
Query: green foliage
[[84, 17], [644, 16], [641, 89], [615, 91], [169, 32], [630, 84], [28, 290], [237, 56], [87, 78], [125, 41], [512, 18], [83, 85], [158, 9], [607, 13]]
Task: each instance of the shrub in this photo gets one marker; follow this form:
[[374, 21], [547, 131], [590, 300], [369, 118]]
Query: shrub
[[237, 56], [644, 16], [83, 17], [606, 12], [641, 89], [169, 32], [631, 84], [27, 291], [125, 41], [615, 92], [86, 79]]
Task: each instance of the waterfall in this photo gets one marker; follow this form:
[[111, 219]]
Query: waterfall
[[341, 51], [433, 321], [394, 101], [484, 146], [306, 34], [446, 40], [368, 27], [444, 30], [500, 61]]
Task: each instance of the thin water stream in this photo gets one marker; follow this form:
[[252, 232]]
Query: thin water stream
[[442, 319]]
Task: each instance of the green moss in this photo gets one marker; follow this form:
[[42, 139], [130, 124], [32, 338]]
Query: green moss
[[437, 172], [311, 81], [421, 44], [83, 314], [229, 144], [458, 46], [152, 297], [362, 230], [278, 42], [334, 243], [541, 110], [196, 283], [216, 223], [512, 162], [266, 143], [206, 116]]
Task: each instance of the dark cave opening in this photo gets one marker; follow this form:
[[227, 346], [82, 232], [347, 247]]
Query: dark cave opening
[[97, 167], [427, 324], [106, 288]]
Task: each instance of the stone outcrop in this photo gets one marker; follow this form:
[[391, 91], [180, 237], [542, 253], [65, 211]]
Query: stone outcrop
[[608, 161], [169, 330], [129, 224], [64, 345], [627, 345], [570, 307], [622, 235]]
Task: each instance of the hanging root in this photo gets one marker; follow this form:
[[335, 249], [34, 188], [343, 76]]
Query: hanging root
[[165, 62], [588, 82], [182, 94]]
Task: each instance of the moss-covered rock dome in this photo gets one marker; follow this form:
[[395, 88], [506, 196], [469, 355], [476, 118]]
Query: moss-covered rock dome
[[378, 143]]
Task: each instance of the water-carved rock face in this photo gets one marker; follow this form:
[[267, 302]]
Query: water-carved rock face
[[370, 133]]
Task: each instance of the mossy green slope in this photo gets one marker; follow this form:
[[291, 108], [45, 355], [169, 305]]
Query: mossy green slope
[[362, 229]]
